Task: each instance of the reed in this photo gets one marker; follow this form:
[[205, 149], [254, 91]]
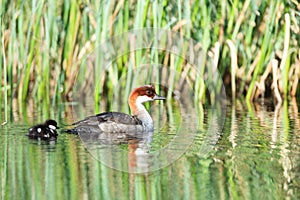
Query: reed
[[45, 43], [265, 47], [3, 73]]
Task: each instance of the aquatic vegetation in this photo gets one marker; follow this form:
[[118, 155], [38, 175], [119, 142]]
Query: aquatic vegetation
[[44, 44]]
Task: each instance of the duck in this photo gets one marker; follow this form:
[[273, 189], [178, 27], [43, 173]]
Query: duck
[[117, 122]]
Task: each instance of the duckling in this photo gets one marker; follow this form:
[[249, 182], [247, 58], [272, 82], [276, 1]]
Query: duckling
[[46, 131]]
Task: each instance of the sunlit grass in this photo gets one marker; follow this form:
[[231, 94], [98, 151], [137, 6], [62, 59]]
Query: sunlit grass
[[43, 44]]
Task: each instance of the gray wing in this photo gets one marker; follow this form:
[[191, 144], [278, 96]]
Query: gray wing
[[108, 122], [116, 117]]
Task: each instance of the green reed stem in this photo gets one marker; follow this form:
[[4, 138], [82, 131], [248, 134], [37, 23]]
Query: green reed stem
[[266, 44], [102, 34], [37, 8], [284, 64], [3, 58]]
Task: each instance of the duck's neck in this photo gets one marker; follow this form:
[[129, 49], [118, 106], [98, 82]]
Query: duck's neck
[[139, 110]]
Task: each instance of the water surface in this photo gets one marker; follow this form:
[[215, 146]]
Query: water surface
[[257, 156]]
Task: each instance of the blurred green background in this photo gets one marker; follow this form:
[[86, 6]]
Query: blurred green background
[[255, 44]]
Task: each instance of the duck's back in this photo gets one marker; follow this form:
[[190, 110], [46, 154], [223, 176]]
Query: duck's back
[[109, 122]]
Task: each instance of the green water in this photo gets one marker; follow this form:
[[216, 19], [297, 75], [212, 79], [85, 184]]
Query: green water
[[257, 156]]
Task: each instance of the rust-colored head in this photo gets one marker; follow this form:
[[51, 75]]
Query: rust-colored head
[[141, 95]]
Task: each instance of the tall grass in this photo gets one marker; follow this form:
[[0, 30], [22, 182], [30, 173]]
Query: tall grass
[[4, 72], [43, 44]]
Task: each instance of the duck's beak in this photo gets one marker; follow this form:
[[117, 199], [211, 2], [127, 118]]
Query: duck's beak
[[157, 97]]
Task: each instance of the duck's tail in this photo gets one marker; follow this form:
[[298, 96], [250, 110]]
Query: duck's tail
[[68, 128]]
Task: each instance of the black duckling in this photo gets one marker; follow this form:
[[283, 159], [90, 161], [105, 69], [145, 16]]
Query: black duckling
[[46, 131]]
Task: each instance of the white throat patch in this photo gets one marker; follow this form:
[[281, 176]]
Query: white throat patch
[[143, 99]]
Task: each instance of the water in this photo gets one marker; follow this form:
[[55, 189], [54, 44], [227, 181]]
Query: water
[[257, 156]]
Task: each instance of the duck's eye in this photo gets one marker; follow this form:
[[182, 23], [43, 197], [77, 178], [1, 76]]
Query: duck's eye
[[149, 92]]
